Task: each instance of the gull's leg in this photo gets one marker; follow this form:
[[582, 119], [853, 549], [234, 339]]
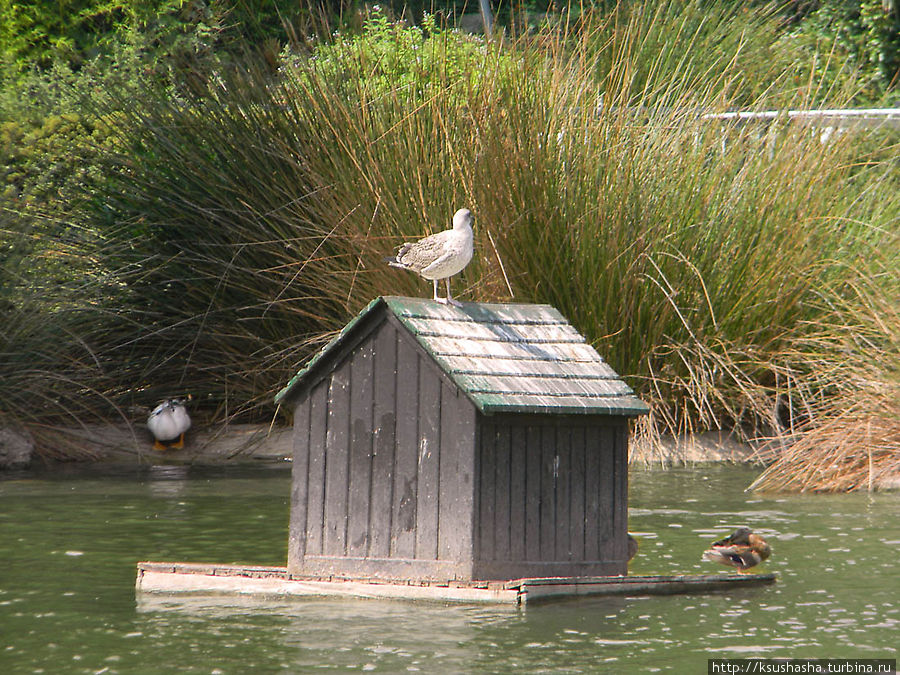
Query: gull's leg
[[436, 298], [450, 300]]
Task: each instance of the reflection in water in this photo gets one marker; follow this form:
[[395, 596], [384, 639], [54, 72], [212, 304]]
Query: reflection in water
[[836, 596], [349, 633], [167, 481]]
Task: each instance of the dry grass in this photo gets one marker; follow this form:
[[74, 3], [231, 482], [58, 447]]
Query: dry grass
[[858, 448]]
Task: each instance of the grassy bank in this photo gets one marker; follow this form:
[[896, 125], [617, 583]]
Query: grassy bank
[[740, 278]]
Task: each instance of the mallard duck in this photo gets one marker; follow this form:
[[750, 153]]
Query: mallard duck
[[441, 255], [168, 421], [632, 547], [742, 550]]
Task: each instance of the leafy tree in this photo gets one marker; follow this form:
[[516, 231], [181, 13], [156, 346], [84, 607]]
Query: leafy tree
[[868, 31]]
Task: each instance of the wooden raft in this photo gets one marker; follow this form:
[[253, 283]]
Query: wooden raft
[[205, 578]]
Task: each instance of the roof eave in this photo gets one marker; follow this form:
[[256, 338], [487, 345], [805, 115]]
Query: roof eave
[[631, 410], [347, 333]]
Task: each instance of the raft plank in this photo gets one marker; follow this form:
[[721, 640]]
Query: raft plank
[[546, 588], [199, 578]]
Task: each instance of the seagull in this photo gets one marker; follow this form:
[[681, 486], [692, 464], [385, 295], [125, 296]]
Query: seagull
[[742, 550], [439, 256], [168, 421]]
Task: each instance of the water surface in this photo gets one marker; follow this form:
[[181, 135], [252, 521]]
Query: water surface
[[69, 541]]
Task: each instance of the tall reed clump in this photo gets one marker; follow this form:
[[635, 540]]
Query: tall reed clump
[[247, 224], [738, 274], [54, 339], [734, 275]]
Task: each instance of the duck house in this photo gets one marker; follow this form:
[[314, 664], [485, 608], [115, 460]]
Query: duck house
[[439, 443]]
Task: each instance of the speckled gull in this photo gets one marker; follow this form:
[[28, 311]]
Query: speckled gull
[[441, 255]]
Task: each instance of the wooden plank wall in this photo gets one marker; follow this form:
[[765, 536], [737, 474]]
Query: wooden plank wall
[[552, 497], [383, 470]]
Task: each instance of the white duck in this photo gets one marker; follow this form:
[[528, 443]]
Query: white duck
[[168, 421], [441, 255]]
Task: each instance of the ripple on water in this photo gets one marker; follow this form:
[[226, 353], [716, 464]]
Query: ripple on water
[[86, 602]]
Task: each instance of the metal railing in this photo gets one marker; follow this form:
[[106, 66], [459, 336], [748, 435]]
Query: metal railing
[[833, 118]]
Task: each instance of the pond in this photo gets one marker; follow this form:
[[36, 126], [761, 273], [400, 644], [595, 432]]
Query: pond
[[69, 541]]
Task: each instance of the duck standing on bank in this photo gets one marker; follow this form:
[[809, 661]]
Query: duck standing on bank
[[742, 550], [441, 255], [168, 421]]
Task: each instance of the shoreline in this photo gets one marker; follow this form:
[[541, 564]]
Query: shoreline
[[229, 444], [226, 444], [270, 445]]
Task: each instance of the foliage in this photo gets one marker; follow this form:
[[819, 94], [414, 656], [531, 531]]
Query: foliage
[[867, 31], [50, 162], [177, 32], [391, 56]]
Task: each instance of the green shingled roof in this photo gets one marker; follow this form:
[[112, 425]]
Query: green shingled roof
[[504, 357]]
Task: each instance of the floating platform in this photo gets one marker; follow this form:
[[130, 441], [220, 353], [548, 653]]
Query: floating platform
[[204, 578]]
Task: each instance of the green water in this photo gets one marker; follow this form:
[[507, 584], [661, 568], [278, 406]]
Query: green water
[[69, 542]]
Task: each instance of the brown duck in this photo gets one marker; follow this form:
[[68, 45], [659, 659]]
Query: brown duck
[[742, 550]]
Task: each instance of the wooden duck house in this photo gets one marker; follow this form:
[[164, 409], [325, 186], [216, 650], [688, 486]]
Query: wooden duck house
[[440, 443]]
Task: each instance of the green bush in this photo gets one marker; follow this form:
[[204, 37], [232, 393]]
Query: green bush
[[177, 33], [866, 33]]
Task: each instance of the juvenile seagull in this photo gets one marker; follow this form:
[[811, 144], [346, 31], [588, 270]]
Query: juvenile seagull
[[439, 256], [168, 421], [742, 550]]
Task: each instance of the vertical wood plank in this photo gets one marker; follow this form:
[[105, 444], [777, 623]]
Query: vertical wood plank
[[518, 498], [501, 492], [607, 493], [456, 498], [299, 486], [337, 458], [549, 476], [577, 493], [620, 519], [429, 464], [533, 493], [487, 491], [403, 504], [384, 433], [563, 490], [360, 478], [315, 517], [593, 488], [476, 488]]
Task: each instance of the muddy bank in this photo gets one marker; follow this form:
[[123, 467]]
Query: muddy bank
[[710, 446], [224, 444], [251, 443], [237, 444]]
